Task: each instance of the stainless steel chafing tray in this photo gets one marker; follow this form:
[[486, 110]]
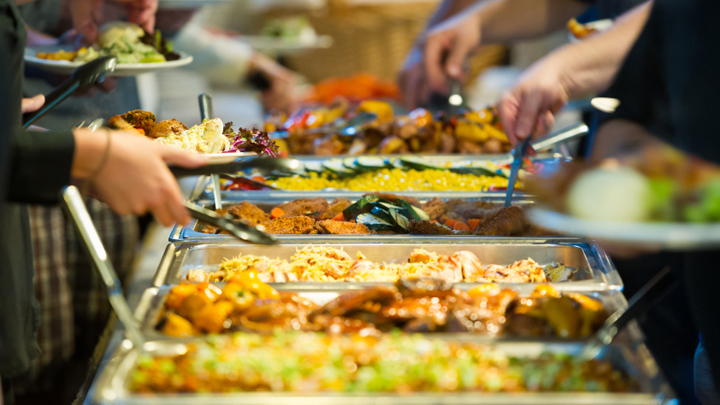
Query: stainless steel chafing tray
[[193, 231], [593, 269], [631, 357], [550, 163], [152, 302]]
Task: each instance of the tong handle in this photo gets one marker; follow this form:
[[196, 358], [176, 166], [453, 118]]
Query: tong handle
[[76, 210], [560, 136], [64, 91]]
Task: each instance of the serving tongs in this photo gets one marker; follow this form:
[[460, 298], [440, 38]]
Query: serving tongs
[[656, 289], [518, 155], [240, 230], [86, 75], [263, 163], [74, 207]]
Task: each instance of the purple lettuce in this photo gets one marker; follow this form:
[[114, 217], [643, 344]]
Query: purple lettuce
[[246, 140]]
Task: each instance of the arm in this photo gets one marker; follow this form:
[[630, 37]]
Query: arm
[[459, 27], [572, 71]]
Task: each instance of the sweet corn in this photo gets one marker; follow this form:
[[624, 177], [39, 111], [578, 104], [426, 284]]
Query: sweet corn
[[394, 180]]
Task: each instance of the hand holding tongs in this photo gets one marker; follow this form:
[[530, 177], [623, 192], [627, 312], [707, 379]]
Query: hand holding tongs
[[74, 207], [86, 75], [640, 303]]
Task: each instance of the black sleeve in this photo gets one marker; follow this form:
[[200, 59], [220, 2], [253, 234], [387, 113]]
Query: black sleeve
[[34, 166], [40, 166]]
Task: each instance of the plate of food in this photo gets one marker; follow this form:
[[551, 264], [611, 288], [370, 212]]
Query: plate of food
[[212, 137], [658, 198], [137, 51]]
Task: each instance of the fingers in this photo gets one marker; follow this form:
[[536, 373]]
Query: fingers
[[434, 50], [176, 156], [86, 14], [107, 85], [508, 110], [530, 104], [142, 13], [32, 104], [457, 55]]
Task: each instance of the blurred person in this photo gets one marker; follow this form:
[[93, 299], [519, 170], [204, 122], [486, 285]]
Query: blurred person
[[667, 85], [460, 26], [128, 172]]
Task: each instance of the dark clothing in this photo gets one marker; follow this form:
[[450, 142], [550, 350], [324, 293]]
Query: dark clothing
[[669, 84], [33, 169]]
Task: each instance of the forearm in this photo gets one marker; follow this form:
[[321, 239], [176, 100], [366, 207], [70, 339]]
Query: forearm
[[589, 66], [449, 8], [511, 20]]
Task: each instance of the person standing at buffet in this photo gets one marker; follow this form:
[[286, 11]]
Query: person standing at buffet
[[458, 28], [667, 85], [128, 172]]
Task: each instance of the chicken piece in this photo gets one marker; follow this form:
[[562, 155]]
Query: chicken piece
[[432, 310], [470, 265], [368, 300], [166, 128], [467, 210], [140, 119], [329, 145], [210, 229], [475, 319], [423, 286], [310, 207], [248, 212], [337, 206], [341, 228], [435, 208], [300, 225], [118, 122], [509, 221], [428, 228]]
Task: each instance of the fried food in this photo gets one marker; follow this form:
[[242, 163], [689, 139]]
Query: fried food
[[167, 128], [435, 208], [341, 228], [508, 221], [140, 119], [428, 228], [248, 212], [310, 207], [300, 225], [337, 206]]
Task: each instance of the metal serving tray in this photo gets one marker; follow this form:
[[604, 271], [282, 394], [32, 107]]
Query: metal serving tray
[[152, 303], [550, 162], [595, 271], [193, 231], [630, 356]]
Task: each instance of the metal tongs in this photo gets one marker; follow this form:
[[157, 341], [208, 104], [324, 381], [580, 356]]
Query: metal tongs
[[518, 155], [74, 207], [86, 75], [639, 304]]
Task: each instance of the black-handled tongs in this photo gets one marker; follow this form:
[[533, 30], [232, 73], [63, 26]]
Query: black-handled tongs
[[86, 75], [242, 231], [268, 164], [655, 290]]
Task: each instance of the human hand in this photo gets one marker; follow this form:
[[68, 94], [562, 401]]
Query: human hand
[[283, 94], [528, 109], [88, 14], [135, 178], [32, 104], [438, 54]]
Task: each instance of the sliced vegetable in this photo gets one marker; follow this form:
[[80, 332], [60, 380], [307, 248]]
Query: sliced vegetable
[[339, 217], [418, 163], [473, 223], [356, 209], [461, 226], [374, 223], [372, 163], [336, 167], [277, 213], [450, 222]]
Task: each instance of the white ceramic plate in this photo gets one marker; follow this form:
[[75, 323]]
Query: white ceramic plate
[[220, 158], [599, 25], [660, 235], [121, 69]]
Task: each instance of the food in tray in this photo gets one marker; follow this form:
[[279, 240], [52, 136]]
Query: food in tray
[[314, 362], [310, 131], [384, 213], [412, 305], [212, 136], [579, 30], [327, 264], [126, 41], [356, 88], [657, 184]]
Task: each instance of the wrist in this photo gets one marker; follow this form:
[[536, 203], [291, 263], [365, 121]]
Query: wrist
[[90, 148]]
